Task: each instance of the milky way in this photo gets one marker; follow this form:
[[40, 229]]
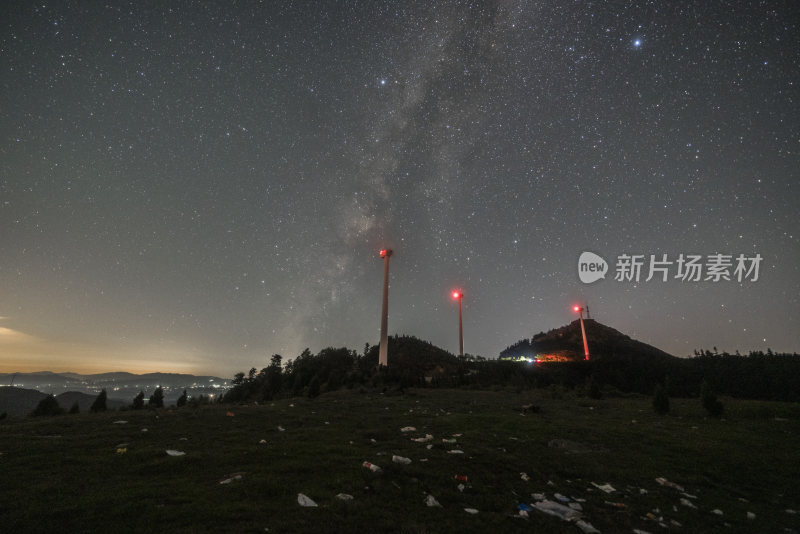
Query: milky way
[[196, 186]]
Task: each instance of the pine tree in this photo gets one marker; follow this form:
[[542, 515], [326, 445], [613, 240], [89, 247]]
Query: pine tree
[[157, 398], [138, 401], [48, 406], [99, 404]]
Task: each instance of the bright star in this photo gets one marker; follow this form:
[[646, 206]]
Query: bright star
[[637, 43]]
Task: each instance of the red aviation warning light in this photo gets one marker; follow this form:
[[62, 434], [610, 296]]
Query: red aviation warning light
[[576, 308], [457, 294]]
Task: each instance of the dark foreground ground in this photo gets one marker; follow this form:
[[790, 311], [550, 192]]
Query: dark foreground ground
[[244, 466]]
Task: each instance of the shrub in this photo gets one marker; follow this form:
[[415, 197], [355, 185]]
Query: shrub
[[182, 399], [593, 389], [313, 387], [75, 408], [661, 400], [709, 399]]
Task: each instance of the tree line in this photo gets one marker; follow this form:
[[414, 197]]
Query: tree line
[[415, 363], [50, 406]]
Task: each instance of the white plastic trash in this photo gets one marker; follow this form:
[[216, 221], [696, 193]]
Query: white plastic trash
[[608, 488], [664, 482], [173, 452], [344, 497], [304, 500], [431, 501], [559, 510], [401, 459], [372, 467], [231, 478], [408, 429], [472, 511]]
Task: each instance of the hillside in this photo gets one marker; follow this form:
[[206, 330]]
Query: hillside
[[567, 342], [243, 466], [19, 402]]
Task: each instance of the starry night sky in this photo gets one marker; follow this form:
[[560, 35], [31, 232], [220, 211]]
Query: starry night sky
[[194, 186]]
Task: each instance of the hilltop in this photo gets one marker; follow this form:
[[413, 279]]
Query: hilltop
[[566, 343]]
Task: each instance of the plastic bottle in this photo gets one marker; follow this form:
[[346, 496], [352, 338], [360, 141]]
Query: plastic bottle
[[372, 467]]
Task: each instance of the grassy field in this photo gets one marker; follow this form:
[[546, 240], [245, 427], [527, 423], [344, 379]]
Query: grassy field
[[70, 474]]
